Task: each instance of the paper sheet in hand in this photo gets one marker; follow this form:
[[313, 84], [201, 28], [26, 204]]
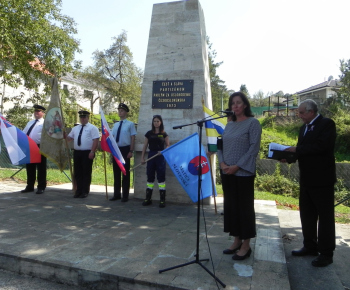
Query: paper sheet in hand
[[276, 151]]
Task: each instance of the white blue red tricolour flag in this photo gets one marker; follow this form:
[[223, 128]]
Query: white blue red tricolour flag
[[109, 144], [20, 147]]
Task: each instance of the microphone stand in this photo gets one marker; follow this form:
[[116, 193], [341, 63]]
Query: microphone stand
[[197, 260]]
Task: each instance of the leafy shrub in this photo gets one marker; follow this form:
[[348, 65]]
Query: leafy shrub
[[277, 183], [341, 192]]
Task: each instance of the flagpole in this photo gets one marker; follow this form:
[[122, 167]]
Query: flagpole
[[104, 159], [67, 147], [199, 189], [212, 182], [154, 156]]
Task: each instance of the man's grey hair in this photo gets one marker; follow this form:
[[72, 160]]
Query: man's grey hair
[[309, 105]]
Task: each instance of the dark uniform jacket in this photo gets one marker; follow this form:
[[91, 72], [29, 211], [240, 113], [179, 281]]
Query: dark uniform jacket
[[316, 153]]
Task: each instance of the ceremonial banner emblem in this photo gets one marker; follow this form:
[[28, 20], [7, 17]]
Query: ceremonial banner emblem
[[183, 159], [52, 144], [53, 123]]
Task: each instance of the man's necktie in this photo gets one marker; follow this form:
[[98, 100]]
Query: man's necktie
[[80, 133], [118, 132], [31, 127]]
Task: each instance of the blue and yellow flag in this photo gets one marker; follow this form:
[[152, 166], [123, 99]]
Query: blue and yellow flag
[[213, 128], [183, 159]]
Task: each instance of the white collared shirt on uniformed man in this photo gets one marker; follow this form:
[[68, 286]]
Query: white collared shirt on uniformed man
[[90, 132], [35, 134], [127, 130]]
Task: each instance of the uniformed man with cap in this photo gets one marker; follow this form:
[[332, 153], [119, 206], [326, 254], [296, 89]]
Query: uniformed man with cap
[[124, 131], [85, 136], [33, 130]]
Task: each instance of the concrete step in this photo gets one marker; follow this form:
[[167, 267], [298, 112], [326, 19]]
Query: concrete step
[[302, 275]]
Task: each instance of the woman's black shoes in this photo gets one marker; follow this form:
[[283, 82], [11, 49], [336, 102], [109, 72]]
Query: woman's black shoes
[[247, 255], [230, 252]]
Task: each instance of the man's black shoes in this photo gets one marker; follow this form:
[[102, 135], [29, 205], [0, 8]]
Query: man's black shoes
[[322, 261], [115, 198], [27, 190], [40, 191], [304, 252]]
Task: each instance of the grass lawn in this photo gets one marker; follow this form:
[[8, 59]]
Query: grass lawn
[[342, 213], [54, 176]]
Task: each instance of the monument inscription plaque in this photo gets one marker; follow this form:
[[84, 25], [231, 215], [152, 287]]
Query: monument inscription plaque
[[172, 94]]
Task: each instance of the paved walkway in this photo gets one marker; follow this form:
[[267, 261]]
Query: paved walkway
[[304, 276], [99, 244]]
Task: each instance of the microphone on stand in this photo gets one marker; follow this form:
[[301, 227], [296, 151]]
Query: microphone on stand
[[227, 112]]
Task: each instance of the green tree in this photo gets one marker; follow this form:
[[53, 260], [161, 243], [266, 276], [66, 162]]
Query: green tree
[[260, 99], [243, 89], [344, 91], [120, 77], [35, 40], [91, 86], [219, 92], [21, 113]]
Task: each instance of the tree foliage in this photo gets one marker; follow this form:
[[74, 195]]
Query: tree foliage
[[120, 77], [260, 99], [20, 112], [344, 90], [219, 93], [243, 89], [90, 87], [34, 38]]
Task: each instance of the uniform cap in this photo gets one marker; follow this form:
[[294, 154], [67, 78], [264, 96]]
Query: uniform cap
[[83, 113], [124, 107], [39, 108]]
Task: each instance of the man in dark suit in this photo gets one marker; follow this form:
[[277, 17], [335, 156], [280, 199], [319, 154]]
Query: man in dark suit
[[315, 150]]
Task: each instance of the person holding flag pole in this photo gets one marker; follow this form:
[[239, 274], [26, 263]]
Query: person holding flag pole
[[124, 133], [109, 144], [85, 138], [157, 140], [34, 130]]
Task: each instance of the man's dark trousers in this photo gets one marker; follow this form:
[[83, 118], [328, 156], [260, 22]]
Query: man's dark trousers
[[315, 211], [82, 170], [120, 182], [31, 173]]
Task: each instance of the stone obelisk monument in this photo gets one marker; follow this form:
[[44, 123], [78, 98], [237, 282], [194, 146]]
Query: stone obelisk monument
[[176, 78]]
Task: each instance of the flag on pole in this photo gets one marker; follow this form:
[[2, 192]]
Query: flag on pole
[[52, 144], [213, 128], [20, 147], [109, 144], [183, 159]]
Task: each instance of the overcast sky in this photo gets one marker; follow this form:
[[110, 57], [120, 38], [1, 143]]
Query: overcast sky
[[268, 45]]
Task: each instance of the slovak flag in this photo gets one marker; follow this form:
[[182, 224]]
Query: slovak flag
[[20, 147], [183, 159], [109, 144]]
